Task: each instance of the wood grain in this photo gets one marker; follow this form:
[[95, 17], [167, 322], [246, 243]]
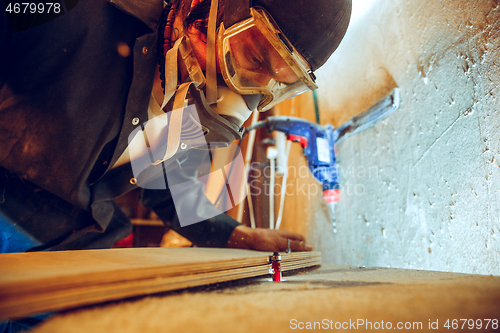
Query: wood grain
[[50, 281]]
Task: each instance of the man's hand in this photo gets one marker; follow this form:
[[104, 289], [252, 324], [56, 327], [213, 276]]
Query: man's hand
[[260, 239]]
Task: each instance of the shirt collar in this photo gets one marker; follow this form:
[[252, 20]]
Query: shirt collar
[[148, 11]]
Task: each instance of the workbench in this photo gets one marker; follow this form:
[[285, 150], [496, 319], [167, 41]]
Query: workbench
[[326, 298]]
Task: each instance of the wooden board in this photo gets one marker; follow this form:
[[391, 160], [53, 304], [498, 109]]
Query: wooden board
[[50, 281]]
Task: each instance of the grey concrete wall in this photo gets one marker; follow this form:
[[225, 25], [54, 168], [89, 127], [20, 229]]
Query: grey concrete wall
[[421, 189]]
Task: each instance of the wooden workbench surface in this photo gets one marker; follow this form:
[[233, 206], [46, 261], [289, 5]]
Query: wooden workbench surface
[[329, 296]]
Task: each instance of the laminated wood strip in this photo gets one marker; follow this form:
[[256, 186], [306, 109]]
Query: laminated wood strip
[[66, 269], [51, 281], [56, 300]]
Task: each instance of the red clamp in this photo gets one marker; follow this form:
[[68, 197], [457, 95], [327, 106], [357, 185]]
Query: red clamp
[[275, 268]]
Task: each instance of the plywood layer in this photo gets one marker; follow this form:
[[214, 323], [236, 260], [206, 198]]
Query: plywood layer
[[49, 281]]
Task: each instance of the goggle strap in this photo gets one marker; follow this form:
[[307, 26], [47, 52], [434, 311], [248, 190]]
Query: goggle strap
[[236, 11], [171, 72], [211, 87], [175, 123]]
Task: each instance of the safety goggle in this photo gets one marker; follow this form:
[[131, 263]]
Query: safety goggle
[[256, 58]]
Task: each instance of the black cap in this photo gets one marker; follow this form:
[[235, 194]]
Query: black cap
[[314, 27]]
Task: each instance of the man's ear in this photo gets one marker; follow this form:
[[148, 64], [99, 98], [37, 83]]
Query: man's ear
[[192, 30], [196, 35]]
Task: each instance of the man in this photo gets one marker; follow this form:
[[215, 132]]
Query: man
[[74, 86]]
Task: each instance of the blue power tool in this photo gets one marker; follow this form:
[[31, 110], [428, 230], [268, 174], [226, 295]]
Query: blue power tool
[[319, 142]]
